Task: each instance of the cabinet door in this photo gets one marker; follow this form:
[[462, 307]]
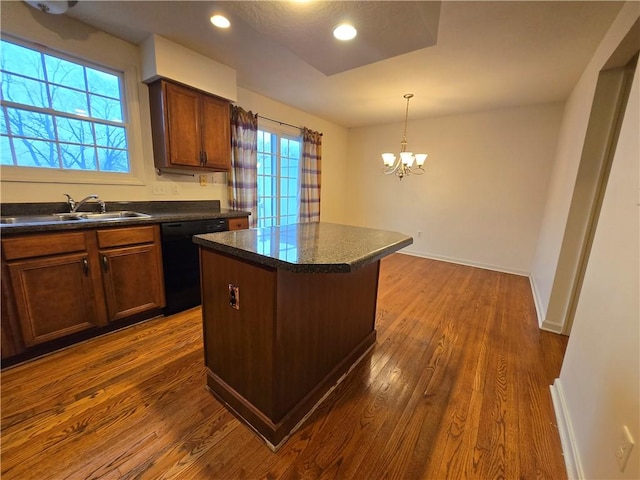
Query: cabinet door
[[216, 133], [132, 278], [11, 340], [183, 126], [54, 296]]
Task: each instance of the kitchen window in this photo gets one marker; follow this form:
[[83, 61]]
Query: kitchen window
[[279, 157], [61, 115]]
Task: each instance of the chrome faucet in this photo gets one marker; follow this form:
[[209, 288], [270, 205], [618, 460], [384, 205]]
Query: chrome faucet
[[73, 205]]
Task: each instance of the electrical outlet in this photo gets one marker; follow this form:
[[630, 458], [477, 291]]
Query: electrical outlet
[[158, 190], [203, 180], [624, 448], [175, 189], [419, 233], [218, 178]]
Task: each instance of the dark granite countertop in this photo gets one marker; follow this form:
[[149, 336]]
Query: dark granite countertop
[[308, 247], [158, 211]]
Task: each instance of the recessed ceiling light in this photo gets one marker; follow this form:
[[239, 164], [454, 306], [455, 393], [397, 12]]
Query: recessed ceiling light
[[345, 32], [220, 21]]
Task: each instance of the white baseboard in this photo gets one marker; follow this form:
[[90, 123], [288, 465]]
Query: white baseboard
[[543, 323], [469, 263], [567, 438], [537, 301], [552, 327]]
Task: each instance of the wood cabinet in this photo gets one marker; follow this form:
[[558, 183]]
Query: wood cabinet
[[286, 338], [238, 223], [53, 284], [131, 263], [59, 284], [191, 129]]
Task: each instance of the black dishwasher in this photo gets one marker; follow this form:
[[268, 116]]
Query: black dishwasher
[[181, 263]]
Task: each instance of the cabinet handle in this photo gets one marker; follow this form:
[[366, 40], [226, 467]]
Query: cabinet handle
[[201, 158], [85, 267], [205, 157], [105, 263]]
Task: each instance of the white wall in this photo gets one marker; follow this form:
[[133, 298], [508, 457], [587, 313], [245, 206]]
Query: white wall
[[482, 197], [73, 37], [565, 169], [598, 390], [600, 377]]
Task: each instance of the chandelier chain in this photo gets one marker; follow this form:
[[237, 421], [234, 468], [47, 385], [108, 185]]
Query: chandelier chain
[[403, 143]]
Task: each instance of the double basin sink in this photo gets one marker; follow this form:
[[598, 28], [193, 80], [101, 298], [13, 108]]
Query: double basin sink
[[70, 217]]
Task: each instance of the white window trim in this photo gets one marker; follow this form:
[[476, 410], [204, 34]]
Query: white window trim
[[132, 111]]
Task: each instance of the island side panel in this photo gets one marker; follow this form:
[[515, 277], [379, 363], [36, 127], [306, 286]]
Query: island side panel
[[325, 322], [239, 343]]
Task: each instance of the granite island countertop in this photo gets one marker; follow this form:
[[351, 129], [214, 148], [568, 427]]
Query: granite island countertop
[[308, 247]]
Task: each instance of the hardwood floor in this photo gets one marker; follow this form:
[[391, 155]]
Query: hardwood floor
[[457, 386]]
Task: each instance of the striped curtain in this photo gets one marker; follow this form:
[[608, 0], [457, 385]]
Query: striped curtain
[[310, 176], [243, 177]]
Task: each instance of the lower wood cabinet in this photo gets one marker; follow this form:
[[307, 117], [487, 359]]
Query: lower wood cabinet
[[131, 263], [238, 223], [59, 284]]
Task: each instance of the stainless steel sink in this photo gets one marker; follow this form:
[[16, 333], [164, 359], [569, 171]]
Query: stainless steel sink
[[67, 217], [40, 218], [113, 215]]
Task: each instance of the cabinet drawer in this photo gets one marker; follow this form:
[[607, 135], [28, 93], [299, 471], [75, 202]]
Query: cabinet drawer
[[30, 246], [117, 237], [240, 223]]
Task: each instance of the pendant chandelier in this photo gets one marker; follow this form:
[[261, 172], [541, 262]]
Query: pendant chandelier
[[403, 165]]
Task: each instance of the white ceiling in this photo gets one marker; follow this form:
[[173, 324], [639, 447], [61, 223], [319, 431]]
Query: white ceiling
[[488, 55]]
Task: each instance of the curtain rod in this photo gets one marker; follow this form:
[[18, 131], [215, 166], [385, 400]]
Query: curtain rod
[[281, 123]]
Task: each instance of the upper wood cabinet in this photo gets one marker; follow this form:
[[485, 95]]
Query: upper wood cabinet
[[191, 129]]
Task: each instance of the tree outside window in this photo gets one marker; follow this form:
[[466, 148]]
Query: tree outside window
[[60, 113]]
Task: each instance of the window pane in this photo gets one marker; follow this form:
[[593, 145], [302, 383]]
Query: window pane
[[78, 157], [30, 124], [284, 148], [105, 108], [65, 73], [24, 91], [69, 101], [294, 149], [43, 82], [35, 153], [74, 131], [103, 83], [112, 160], [18, 59], [268, 211], [110, 136], [5, 151], [292, 187]]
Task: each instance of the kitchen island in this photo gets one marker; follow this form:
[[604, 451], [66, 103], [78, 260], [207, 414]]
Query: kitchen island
[[287, 312]]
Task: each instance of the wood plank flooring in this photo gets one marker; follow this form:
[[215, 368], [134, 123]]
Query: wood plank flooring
[[457, 386]]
